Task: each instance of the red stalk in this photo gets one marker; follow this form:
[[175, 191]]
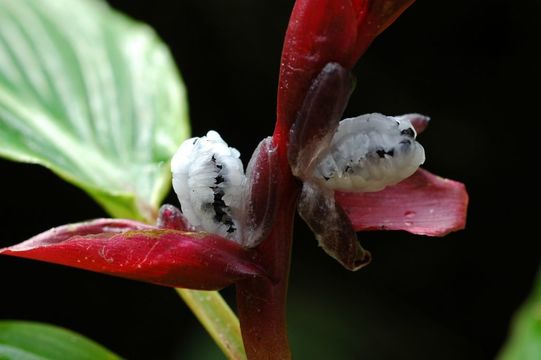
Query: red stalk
[[319, 32], [262, 302]]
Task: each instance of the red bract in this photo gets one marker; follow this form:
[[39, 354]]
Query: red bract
[[324, 31], [423, 204], [138, 251]]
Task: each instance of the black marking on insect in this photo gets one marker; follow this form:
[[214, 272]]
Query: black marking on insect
[[221, 210], [408, 132], [220, 213], [213, 159], [381, 153]]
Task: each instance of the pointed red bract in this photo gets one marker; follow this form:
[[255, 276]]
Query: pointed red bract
[[374, 16], [166, 257], [261, 187], [324, 31], [331, 226], [318, 118], [423, 204], [170, 217]]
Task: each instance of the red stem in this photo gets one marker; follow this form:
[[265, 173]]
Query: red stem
[[320, 31], [261, 302]]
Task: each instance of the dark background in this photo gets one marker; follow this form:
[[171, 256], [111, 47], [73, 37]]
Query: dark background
[[470, 65]]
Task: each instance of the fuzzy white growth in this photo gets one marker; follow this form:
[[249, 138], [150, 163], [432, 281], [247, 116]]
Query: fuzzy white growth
[[208, 178], [370, 152]]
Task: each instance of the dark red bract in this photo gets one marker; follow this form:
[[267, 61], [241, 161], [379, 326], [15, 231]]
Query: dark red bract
[[324, 31], [137, 251]]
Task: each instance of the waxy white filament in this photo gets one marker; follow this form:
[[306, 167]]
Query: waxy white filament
[[370, 152], [209, 180]]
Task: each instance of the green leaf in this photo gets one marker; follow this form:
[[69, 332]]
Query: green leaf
[[20, 340], [93, 96], [218, 319], [524, 342]]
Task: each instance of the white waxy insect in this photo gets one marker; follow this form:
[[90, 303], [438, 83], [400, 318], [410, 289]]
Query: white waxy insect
[[369, 152], [209, 180]]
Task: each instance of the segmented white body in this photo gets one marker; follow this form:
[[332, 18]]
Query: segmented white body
[[209, 180], [370, 152]]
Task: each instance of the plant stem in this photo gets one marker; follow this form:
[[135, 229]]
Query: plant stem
[[219, 320], [262, 303]]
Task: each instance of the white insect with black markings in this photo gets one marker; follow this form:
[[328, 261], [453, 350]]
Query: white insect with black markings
[[209, 180], [370, 152]]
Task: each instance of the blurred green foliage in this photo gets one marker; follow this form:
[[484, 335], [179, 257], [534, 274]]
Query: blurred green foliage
[[21, 340], [524, 342]]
